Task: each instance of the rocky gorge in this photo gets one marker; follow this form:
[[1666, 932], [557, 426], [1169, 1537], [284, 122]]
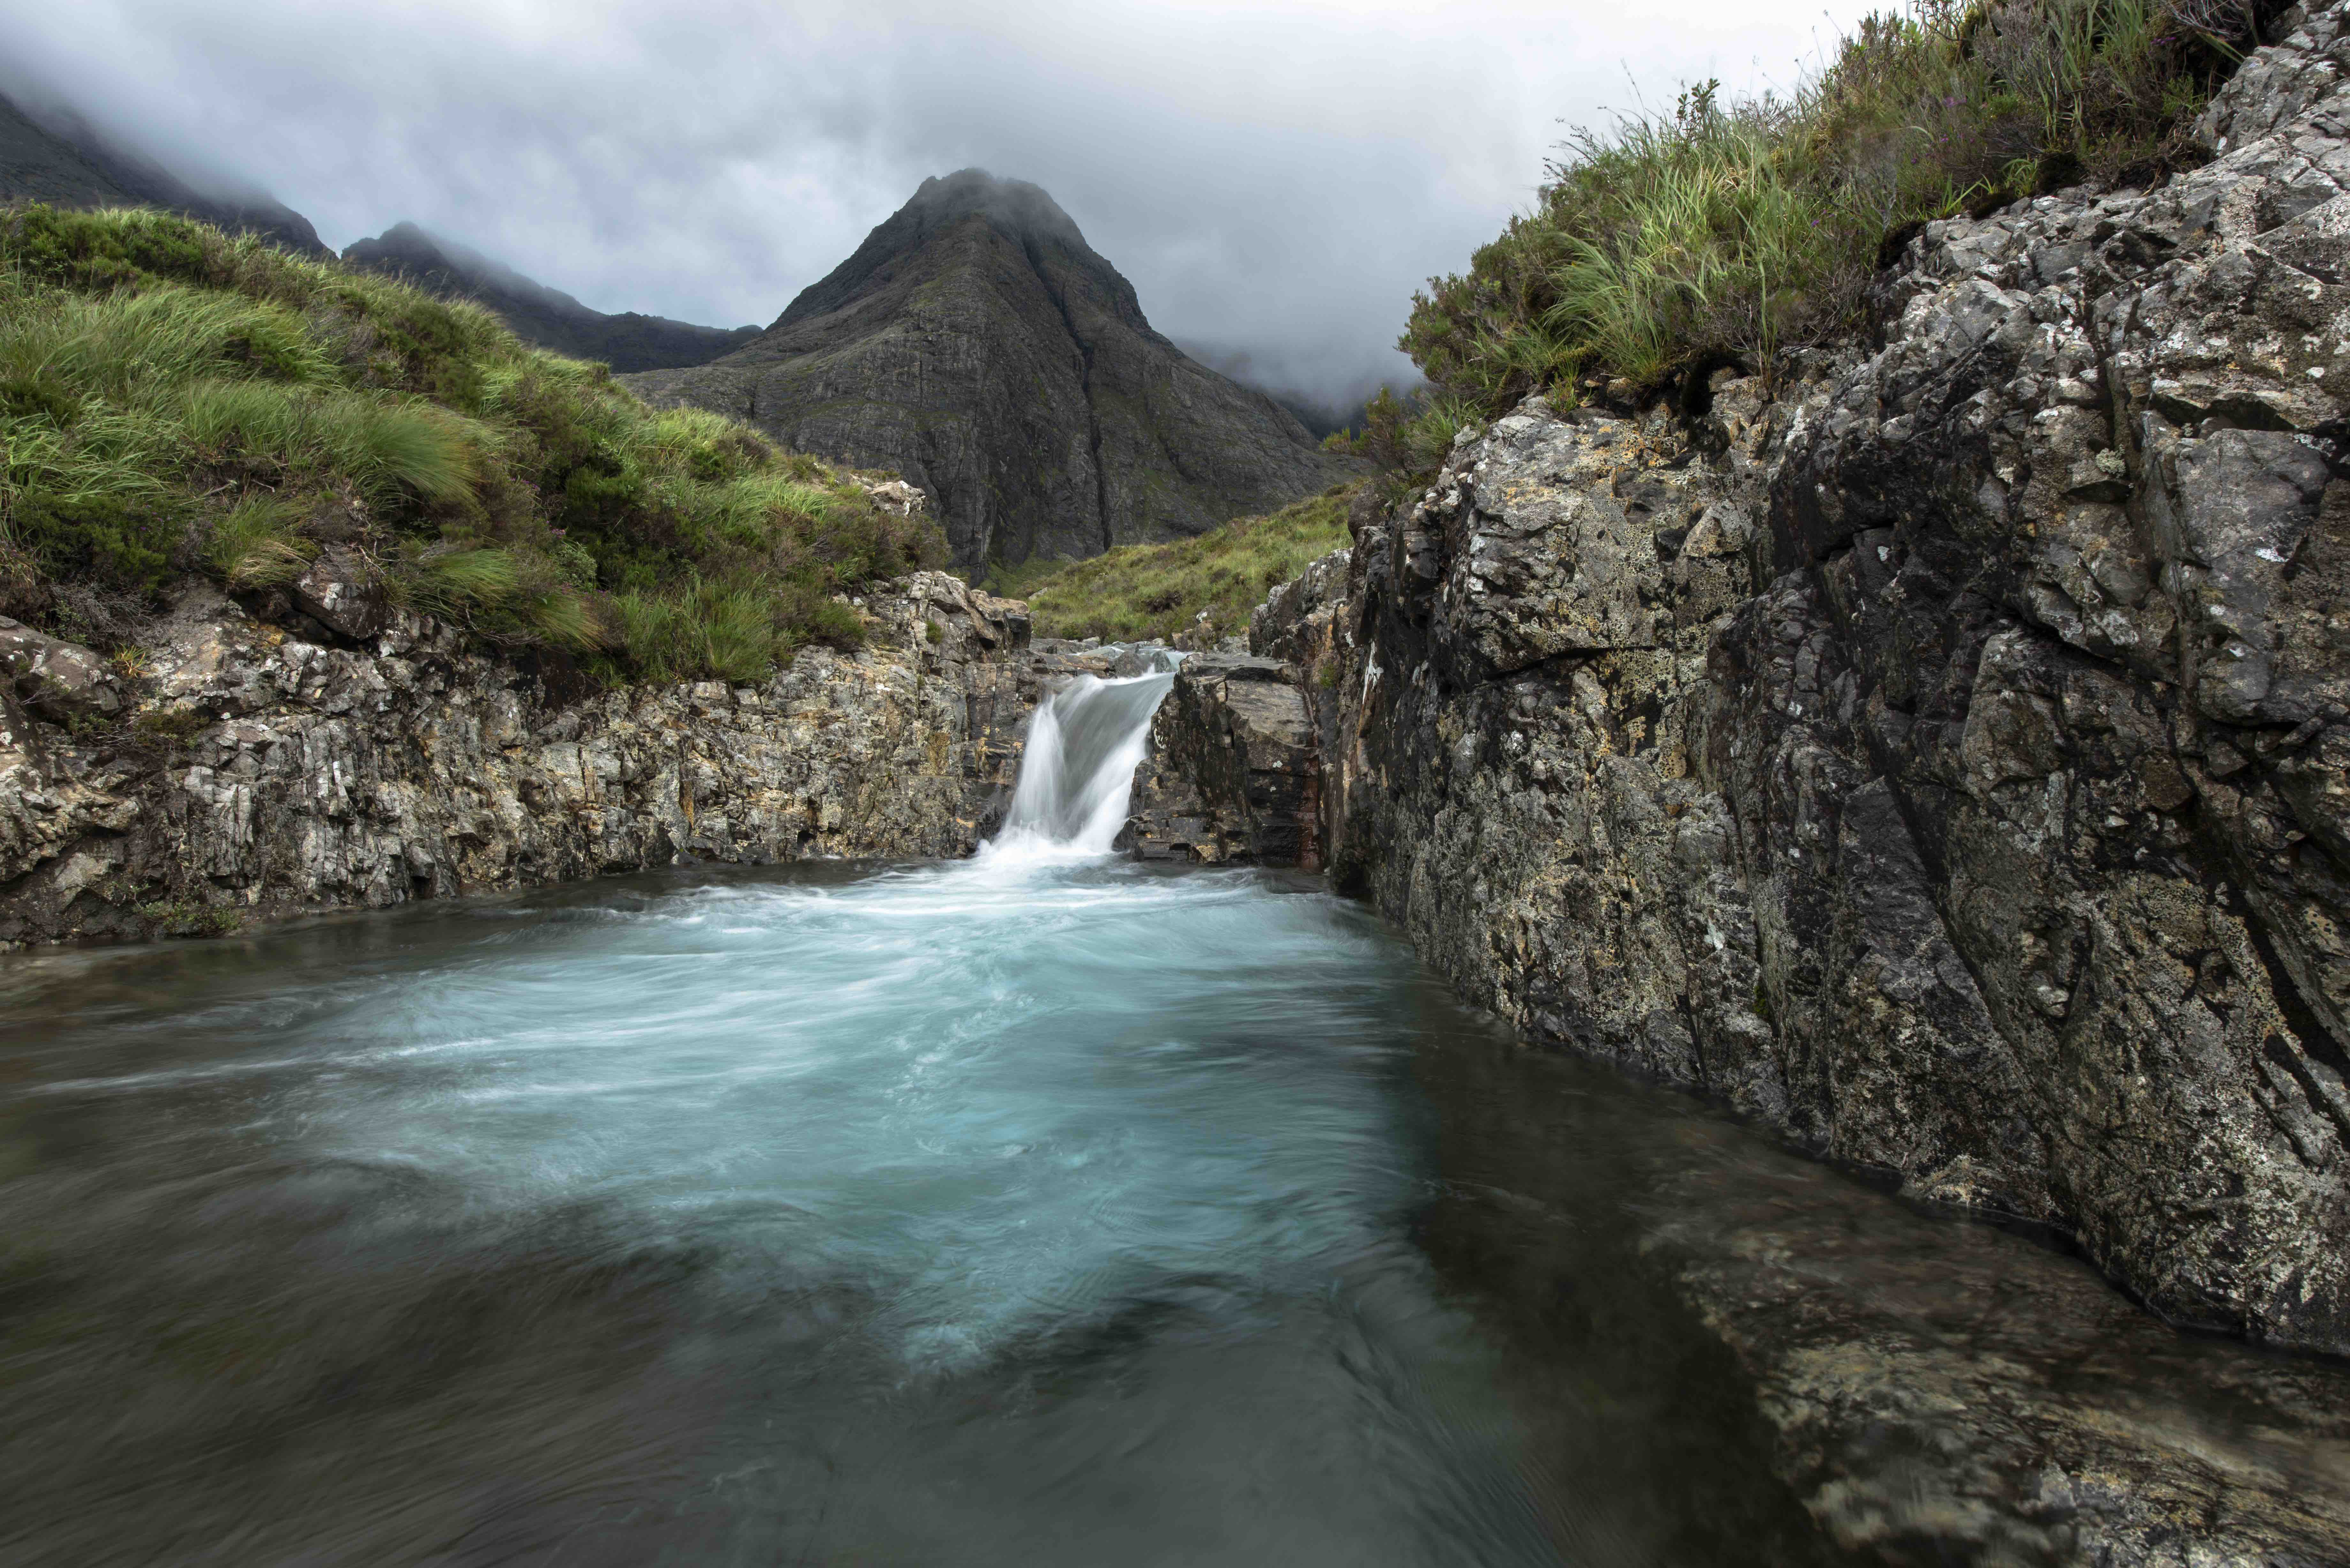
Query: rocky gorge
[[1932, 747]]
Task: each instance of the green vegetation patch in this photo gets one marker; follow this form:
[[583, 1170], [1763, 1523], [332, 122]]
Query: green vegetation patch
[[1725, 231], [1142, 591], [174, 400]]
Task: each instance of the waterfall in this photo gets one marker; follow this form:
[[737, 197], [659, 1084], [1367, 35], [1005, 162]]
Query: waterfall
[[1084, 745]]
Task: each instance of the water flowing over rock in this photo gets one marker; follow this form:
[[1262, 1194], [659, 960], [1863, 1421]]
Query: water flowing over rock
[[263, 774], [1940, 755], [1076, 772]]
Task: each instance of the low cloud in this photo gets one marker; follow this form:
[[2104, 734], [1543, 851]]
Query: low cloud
[[1275, 180]]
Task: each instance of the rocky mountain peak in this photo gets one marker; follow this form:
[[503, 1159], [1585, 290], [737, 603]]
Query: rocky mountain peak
[[411, 250], [1023, 215], [975, 343], [1016, 206]]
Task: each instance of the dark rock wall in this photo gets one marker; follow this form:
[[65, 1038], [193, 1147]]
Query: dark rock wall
[[239, 773], [1942, 755], [978, 346]]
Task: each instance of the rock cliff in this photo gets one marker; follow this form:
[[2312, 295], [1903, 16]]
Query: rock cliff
[[242, 773], [537, 314], [977, 345], [1942, 755], [1232, 774]]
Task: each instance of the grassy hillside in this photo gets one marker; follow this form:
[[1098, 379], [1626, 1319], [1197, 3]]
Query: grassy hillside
[[172, 400], [1142, 591], [1724, 229]]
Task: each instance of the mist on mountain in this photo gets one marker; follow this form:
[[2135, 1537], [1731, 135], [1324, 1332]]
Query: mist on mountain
[[975, 343], [547, 316], [1276, 179]]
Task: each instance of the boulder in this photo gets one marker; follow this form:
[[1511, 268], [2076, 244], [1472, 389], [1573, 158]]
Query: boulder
[[344, 594], [1233, 776], [61, 681]]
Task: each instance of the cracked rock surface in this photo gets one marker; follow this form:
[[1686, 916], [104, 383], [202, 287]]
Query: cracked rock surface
[[264, 775], [1232, 775]]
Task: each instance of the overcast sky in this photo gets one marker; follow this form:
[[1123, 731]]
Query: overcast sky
[[1274, 178]]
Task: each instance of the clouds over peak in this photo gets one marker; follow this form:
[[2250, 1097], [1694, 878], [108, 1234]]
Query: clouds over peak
[[1276, 179]]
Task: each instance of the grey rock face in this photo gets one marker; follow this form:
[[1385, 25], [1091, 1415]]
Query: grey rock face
[[537, 313], [1233, 776], [977, 345], [263, 775], [1946, 760]]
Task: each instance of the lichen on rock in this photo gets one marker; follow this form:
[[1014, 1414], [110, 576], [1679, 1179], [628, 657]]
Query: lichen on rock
[[263, 773]]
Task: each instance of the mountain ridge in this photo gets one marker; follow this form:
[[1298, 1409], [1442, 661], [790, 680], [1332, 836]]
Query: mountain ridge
[[49, 152], [626, 340]]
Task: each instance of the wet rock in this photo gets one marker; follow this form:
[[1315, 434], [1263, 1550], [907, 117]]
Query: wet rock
[[264, 775], [1974, 1399], [1233, 775], [1930, 1393], [1138, 659]]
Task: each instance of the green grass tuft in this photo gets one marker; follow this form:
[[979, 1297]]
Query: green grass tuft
[[172, 400], [258, 544], [1727, 230], [1143, 591]]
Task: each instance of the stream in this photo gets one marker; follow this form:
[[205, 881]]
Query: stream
[[1039, 1209]]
